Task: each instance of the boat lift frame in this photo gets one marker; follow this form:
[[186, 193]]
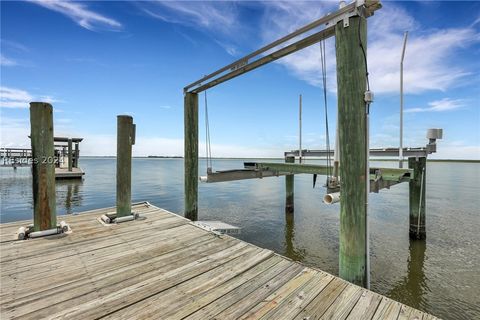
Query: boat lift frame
[[355, 183]]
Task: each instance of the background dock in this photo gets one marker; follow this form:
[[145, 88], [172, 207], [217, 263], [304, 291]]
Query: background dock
[[164, 267]]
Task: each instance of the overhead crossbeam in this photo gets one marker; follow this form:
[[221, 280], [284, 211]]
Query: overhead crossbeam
[[308, 41], [365, 8]]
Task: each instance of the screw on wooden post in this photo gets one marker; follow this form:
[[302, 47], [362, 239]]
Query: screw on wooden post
[[70, 154], [417, 193], [43, 166], [289, 188], [125, 140], [191, 155], [351, 83]]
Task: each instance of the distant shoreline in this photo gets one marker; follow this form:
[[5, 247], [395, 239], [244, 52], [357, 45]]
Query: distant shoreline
[[249, 158]]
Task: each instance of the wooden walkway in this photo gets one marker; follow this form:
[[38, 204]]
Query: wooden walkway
[[63, 173], [163, 267]]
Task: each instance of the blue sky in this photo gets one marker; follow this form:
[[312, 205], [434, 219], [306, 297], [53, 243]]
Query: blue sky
[[94, 60]]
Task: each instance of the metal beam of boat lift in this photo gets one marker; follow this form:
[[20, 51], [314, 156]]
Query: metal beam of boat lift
[[380, 178], [363, 8]]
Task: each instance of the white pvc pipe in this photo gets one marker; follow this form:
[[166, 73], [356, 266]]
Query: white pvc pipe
[[123, 219], [63, 226], [331, 198], [43, 233], [21, 233], [203, 178], [105, 218]]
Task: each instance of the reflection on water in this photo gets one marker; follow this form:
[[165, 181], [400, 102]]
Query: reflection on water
[[439, 276], [290, 250], [16, 195], [412, 287], [68, 194]]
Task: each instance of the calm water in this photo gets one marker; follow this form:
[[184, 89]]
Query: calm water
[[440, 276]]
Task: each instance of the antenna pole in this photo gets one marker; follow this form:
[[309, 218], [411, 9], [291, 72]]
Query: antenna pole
[[400, 150], [300, 130]]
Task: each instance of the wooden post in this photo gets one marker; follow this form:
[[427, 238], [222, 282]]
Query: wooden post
[[63, 157], [289, 188], [351, 83], [70, 154], [43, 166], [77, 155], [417, 193], [125, 139], [191, 155]]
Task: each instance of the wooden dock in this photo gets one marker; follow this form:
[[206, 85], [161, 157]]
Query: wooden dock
[[64, 173], [164, 267]]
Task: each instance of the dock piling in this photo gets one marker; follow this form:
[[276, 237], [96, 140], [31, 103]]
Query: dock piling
[[351, 83], [417, 193], [125, 139], [77, 155], [70, 155], [191, 155], [289, 188], [43, 166]]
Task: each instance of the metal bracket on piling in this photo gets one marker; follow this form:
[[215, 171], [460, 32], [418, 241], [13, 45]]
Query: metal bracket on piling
[[25, 233], [111, 218]]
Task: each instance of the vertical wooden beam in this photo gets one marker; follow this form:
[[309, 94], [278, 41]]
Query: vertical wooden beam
[[77, 155], [289, 188], [63, 157], [43, 166], [351, 83], [70, 154], [191, 155], [124, 165], [417, 193]]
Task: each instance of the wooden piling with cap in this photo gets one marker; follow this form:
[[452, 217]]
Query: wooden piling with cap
[[43, 166]]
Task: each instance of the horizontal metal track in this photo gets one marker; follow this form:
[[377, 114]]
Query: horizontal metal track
[[381, 152]]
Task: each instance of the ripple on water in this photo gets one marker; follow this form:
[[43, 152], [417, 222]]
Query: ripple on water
[[439, 276]]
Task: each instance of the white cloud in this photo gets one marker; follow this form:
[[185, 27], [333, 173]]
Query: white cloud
[[105, 145], [444, 104], [4, 61], [229, 48], [14, 98], [12, 45], [14, 132], [18, 98], [282, 18], [79, 13], [428, 65], [218, 17], [456, 151]]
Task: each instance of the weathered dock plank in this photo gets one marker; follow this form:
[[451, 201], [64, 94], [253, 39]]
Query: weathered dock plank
[[162, 266]]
